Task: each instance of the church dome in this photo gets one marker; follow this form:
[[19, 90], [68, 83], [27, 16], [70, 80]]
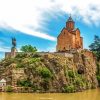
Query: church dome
[[70, 19]]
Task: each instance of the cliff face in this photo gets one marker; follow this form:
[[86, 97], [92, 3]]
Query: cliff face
[[54, 73]]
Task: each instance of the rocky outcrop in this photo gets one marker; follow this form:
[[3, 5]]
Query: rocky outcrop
[[54, 73]]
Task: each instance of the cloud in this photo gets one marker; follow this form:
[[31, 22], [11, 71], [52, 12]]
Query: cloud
[[87, 11], [4, 49], [20, 14]]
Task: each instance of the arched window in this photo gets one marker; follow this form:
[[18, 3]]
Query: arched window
[[64, 48]]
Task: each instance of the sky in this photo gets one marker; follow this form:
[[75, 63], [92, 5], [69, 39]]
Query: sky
[[39, 22]]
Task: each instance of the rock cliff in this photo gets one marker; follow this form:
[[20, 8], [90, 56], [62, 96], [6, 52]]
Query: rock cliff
[[52, 72]]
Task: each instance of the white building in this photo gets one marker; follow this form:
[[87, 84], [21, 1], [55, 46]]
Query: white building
[[2, 82]]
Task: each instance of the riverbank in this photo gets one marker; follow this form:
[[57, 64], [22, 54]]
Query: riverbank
[[93, 94]]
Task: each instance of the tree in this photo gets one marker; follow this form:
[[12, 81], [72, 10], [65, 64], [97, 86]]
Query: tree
[[28, 48], [95, 47]]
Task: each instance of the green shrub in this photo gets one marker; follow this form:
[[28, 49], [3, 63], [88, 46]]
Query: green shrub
[[25, 83], [98, 68], [19, 65], [71, 74], [8, 88], [98, 73], [79, 82], [32, 60], [34, 88], [98, 78], [28, 48], [44, 72], [21, 55], [69, 89]]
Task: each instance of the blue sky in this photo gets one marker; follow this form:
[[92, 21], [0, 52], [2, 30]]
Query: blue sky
[[39, 22]]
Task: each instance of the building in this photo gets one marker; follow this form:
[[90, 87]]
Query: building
[[69, 38], [2, 83]]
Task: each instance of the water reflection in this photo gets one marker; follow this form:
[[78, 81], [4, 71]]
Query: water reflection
[[86, 95]]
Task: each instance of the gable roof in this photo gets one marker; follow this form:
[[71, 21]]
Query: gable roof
[[2, 80]]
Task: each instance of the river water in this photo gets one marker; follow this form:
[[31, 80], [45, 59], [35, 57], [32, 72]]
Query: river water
[[86, 95]]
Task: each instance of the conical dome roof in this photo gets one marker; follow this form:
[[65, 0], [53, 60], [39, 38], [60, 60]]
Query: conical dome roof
[[70, 19]]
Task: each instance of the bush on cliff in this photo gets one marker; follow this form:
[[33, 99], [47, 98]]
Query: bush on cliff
[[95, 47], [80, 84], [71, 74], [98, 78], [28, 48], [69, 89], [25, 83], [8, 88], [44, 72], [98, 73]]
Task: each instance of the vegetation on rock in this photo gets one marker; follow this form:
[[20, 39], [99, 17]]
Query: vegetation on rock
[[44, 72], [95, 47], [28, 48], [69, 89], [52, 73], [25, 83], [8, 88]]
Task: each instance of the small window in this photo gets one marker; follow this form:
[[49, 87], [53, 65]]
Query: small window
[[64, 48]]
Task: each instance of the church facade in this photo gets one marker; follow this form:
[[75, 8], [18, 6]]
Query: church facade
[[69, 38]]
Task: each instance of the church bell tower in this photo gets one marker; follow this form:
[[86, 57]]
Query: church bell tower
[[70, 23]]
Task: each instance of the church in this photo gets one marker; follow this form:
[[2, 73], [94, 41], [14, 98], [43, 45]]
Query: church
[[69, 38]]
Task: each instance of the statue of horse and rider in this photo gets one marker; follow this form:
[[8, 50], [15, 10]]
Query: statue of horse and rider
[[14, 42]]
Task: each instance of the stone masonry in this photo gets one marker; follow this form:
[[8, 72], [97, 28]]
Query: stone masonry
[[69, 38]]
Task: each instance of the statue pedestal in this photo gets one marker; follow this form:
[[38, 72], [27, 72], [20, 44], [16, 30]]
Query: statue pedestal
[[13, 52]]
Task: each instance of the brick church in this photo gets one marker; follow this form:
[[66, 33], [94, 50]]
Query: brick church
[[69, 38]]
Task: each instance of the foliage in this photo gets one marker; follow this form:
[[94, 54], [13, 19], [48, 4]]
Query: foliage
[[32, 60], [25, 83], [28, 48], [8, 88], [98, 78], [21, 55], [98, 68], [71, 74], [98, 73], [69, 88], [44, 72], [34, 88], [26, 62], [79, 82], [95, 47], [19, 65]]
